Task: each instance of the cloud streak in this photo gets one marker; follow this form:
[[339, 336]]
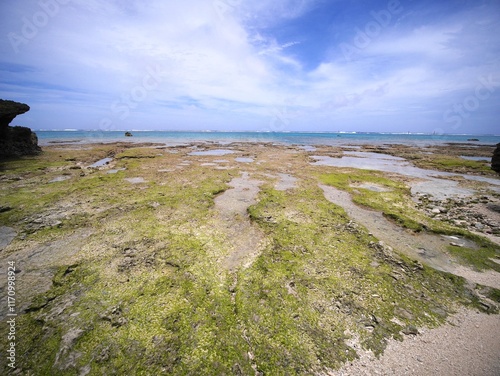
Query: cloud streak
[[229, 64]]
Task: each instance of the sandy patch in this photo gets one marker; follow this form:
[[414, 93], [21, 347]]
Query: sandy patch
[[468, 345]]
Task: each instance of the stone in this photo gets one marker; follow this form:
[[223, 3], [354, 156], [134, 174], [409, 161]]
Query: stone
[[9, 110], [479, 226], [15, 141], [410, 329], [495, 160]]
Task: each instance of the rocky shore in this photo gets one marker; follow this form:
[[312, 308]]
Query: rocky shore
[[251, 258]]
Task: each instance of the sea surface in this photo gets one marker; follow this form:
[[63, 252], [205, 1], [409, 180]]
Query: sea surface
[[290, 138]]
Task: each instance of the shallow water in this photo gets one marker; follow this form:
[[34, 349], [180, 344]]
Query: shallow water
[[212, 152], [60, 178], [244, 160], [116, 170], [428, 248], [476, 158], [101, 162], [434, 183], [135, 180]]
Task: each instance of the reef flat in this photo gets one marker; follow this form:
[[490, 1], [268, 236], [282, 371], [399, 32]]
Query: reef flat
[[242, 258]]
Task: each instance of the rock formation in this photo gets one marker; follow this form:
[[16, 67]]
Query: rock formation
[[495, 160], [15, 141]]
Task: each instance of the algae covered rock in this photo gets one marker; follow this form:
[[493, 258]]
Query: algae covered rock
[[15, 141]]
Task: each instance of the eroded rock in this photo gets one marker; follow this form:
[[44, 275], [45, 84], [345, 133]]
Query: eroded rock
[[15, 141], [495, 160]]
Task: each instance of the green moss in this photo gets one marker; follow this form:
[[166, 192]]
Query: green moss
[[451, 163], [394, 202], [151, 295], [480, 258]]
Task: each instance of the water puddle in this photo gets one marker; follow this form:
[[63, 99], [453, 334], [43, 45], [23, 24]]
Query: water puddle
[[212, 152], [429, 249], [486, 159], [244, 160], [135, 180], [245, 239], [440, 189], [115, 170], [378, 156], [433, 183], [101, 163], [59, 178]]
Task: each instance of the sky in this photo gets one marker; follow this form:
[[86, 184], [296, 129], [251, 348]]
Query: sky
[[258, 65]]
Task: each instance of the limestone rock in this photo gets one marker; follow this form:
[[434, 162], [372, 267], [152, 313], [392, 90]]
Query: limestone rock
[[9, 110], [495, 160], [15, 141]]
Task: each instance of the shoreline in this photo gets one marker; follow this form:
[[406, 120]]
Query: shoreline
[[286, 138]]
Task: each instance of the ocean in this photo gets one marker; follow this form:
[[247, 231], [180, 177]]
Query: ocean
[[289, 138]]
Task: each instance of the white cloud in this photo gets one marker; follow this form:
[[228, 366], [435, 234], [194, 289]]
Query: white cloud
[[216, 61]]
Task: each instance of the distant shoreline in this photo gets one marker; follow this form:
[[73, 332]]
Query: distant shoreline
[[288, 138]]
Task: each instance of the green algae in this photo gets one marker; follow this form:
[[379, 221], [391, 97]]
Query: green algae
[[150, 294], [396, 204]]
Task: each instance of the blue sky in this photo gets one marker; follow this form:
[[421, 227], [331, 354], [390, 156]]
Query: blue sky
[[282, 65]]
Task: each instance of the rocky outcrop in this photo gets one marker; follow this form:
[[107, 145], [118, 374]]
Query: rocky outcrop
[[9, 110], [15, 141], [495, 160]]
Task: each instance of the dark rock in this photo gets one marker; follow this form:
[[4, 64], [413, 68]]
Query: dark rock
[[128, 134], [5, 208], [9, 110], [473, 139], [495, 160], [15, 141]]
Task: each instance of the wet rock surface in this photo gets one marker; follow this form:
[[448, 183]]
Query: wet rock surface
[[7, 234]]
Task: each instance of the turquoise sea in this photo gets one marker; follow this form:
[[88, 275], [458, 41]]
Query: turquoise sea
[[295, 138]]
